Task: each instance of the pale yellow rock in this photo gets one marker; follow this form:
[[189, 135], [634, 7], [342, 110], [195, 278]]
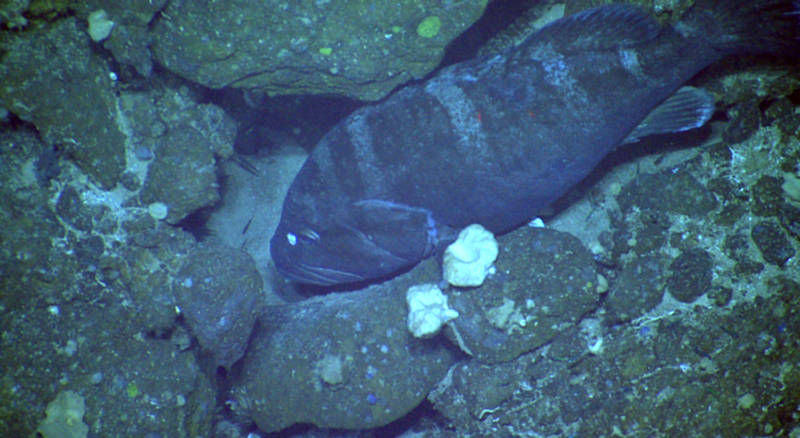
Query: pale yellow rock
[[99, 25], [158, 210], [64, 417], [602, 284], [746, 401], [331, 369], [507, 316], [791, 188]]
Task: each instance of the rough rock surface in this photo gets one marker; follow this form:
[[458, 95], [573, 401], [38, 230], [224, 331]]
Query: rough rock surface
[[643, 381], [219, 292], [545, 282], [356, 49], [87, 273], [638, 288], [130, 39], [87, 308], [343, 360], [52, 79], [180, 142]]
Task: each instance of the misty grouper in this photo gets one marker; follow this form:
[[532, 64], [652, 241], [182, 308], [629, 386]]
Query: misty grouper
[[495, 139]]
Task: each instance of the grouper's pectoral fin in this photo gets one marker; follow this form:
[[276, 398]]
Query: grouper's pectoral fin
[[687, 109], [402, 230]]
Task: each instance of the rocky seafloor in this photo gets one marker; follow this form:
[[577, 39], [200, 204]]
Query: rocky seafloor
[[660, 298]]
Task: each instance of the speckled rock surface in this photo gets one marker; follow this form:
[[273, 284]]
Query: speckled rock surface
[[179, 142], [147, 264], [356, 49], [84, 309], [772, 242], [676, 192], [219, 291], [690, 275], [129, 41], [644, 381], [68, 94], [88, 266], [343, 360], [638, 287], [545, 281]]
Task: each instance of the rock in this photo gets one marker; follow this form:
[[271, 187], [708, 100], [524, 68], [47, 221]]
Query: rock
[[72, 315], [691, 275], [745, 121], [666, 191], [219, 292], [79, 116], [662, 363], [472, 390], [790, 219], [130, 40], [545, 281], [182, 175], [152, 244], [354, 49], [129, 45], [637, 289], [766, 196], [65, 417], [738, 248], [72, 210], [772, 242], [343, 360]]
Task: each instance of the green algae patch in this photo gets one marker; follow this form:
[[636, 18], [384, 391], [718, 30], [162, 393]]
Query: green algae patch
[[429, 26], [132, 390]]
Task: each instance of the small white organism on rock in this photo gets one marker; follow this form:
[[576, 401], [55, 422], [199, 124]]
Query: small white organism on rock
[[469, 259], [427, 310]]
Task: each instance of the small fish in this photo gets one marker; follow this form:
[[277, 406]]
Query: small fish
[[496, 139]]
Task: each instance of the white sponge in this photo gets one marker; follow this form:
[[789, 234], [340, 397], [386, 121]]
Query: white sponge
[[469, 259], [427, 310]]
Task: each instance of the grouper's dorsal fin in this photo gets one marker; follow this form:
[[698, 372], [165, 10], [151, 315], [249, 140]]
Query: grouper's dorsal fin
[[601, 28], [687, 109]]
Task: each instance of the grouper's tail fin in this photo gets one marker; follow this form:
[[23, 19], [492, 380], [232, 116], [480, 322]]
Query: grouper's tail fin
[[746, 26]]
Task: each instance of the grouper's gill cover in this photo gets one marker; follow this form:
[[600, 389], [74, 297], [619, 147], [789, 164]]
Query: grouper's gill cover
[[493, 140]]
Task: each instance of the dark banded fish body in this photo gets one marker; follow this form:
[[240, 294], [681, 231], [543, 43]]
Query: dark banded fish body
[[494, 140]]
